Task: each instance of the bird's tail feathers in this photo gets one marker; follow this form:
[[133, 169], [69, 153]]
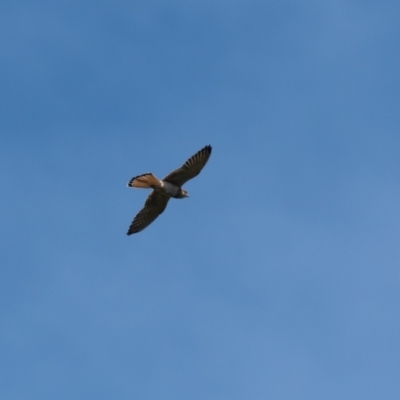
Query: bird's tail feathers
[[147, 180]]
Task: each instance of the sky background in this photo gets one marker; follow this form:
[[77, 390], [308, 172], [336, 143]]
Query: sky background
[[278, 278]]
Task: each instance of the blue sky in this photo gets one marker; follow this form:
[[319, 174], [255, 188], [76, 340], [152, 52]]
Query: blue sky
[[278, 278]]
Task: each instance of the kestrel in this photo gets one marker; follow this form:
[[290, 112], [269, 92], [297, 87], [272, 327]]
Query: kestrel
[[163, 190]]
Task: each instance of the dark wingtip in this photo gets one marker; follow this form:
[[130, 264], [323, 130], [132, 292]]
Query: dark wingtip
[[131, 231]]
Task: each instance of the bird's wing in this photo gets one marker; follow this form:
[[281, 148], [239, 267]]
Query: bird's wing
[[153, 207], [191, 168]]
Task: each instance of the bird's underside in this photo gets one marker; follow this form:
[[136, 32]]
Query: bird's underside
[[163, 190]]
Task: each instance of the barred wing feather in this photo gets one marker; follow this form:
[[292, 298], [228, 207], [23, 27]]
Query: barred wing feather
[[153, 207], [191, 168]]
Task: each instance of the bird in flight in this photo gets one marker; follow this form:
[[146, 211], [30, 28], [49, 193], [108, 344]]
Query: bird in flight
[[164, 189]]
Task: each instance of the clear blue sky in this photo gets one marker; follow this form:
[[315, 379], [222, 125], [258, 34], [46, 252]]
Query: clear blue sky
[[278, 278]]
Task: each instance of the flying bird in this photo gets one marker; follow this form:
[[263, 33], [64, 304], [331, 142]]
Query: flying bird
[[164, 189]]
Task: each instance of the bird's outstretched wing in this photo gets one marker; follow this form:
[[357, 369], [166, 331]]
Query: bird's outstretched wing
[[191, 168], [153, 207]]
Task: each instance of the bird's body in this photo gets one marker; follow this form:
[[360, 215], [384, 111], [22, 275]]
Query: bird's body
[[148, 180], [163, 190], [172, 190]]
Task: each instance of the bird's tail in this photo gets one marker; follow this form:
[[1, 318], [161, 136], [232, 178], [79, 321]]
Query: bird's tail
[[147, 180]]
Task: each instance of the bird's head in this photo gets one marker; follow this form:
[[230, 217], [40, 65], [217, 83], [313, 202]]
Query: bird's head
[[184, 193]]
